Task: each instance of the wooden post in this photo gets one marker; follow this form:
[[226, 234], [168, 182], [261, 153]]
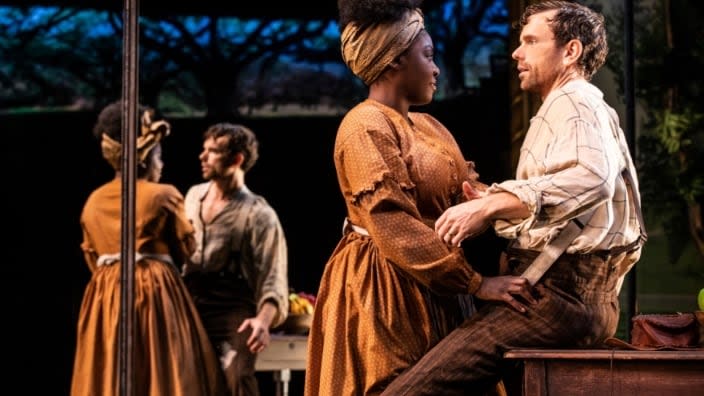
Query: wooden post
[[130, 100]]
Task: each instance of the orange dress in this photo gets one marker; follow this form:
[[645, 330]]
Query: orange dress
[[385, 299], [172, 353]]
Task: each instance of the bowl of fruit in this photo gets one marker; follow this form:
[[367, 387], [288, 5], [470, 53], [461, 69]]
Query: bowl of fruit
[[300, 313]]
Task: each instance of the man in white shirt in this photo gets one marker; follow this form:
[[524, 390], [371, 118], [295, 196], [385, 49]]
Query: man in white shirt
[[574, 166]]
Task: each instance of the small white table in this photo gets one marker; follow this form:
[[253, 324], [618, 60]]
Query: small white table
[[285, 353]]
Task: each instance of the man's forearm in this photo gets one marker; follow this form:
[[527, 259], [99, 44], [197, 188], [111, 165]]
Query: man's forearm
[[268, 312], [504, 205]]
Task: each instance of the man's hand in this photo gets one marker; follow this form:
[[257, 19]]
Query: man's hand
[[504, 288], [260, 337]]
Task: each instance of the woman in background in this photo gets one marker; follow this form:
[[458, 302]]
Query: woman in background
[[172, 353]]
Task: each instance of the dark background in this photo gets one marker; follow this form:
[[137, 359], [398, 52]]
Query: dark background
[[52, 162]]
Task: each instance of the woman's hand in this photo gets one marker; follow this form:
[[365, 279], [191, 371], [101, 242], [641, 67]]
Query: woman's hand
[[464, 220], [505, 288]]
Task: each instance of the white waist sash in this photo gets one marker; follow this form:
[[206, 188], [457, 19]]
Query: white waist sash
[[348, 226], [110, 259]]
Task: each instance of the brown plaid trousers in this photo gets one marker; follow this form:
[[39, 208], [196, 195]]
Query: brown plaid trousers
[[577, 307]]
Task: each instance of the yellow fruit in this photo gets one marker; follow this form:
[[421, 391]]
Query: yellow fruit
[[295, 306], [298, 305], [306, 305]]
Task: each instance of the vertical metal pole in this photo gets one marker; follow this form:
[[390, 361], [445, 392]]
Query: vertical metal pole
[[629, 89], [130, 99]]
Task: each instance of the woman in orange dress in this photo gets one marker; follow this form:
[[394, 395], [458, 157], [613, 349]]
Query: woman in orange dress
[[172, 353], [389, 292]]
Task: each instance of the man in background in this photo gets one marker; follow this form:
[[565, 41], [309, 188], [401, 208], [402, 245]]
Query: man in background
[[238, 274]]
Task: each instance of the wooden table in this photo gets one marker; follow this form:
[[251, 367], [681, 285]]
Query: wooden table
[[284, 353], [606, 372]]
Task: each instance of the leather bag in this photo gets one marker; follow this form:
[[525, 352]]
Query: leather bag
[[661, 332]]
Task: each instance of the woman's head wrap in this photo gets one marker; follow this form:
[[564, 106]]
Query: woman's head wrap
[[151, 134], [368, 51]]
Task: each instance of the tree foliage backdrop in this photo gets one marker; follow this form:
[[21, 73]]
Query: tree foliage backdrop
[[220, 66]]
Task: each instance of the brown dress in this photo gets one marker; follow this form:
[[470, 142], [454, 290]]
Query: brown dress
[[387, 298], [172, 353]]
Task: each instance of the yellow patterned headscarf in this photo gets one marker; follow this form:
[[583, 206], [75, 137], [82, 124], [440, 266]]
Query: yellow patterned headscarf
[[151, 133], [368, 51]]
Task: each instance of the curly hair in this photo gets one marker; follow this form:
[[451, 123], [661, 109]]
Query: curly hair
[[240, 139], [575, 21], [372, 12]]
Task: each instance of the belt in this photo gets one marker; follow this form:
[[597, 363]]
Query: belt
[[347, 226], [602, 253]]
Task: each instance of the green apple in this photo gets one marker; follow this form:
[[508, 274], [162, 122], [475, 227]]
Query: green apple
[[700, 299]]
